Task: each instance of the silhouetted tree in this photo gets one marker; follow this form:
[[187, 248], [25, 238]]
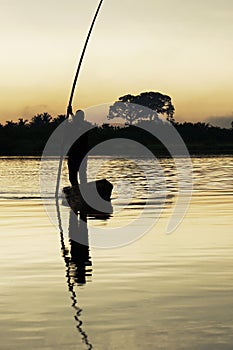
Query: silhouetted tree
[[10, 124], [128, 107], [41, 120], [22, 122], [59, 119]]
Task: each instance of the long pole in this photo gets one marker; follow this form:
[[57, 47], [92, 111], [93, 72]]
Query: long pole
[[69, 108], [83, 53]]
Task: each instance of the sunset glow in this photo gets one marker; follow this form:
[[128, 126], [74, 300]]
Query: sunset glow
[[180, 48]]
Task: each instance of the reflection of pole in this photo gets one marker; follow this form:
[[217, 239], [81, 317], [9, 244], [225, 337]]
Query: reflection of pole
[[69, 108], [70, 284], [74, 305]]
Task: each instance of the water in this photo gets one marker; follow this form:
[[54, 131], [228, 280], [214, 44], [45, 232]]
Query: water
[[160, 292]]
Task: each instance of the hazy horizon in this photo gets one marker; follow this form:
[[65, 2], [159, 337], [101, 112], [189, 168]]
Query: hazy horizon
[[98, 114]]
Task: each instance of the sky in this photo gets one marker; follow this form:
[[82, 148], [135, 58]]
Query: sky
[[182, 48]]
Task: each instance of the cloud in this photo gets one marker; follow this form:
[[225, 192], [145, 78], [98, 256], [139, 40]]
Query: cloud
[[30, 111], [222, 121]]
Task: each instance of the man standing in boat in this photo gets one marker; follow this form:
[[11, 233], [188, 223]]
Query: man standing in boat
[[79, 149]]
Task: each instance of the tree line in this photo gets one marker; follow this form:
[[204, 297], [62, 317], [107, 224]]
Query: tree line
[[28, 137]]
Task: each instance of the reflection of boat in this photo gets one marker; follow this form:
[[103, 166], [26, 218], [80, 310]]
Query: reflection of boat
[[89, 196]]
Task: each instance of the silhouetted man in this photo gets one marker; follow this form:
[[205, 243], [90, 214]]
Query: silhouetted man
[[78, 150]]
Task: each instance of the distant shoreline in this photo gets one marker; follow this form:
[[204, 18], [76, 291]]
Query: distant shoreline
[[199, 138], [194, 151]]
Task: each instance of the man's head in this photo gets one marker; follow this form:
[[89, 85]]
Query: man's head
[[80, 115]]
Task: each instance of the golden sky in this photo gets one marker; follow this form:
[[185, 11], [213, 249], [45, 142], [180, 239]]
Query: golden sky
[[182, 48]]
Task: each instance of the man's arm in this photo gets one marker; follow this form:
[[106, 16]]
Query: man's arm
[[69, 110]]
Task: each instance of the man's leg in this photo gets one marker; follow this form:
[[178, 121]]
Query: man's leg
[[73, 171], [83, 171]]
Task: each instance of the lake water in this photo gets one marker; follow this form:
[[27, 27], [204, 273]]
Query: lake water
[[159, 292]]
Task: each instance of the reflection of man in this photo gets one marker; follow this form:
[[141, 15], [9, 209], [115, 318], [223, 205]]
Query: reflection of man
[[79, 246], [78, 150]]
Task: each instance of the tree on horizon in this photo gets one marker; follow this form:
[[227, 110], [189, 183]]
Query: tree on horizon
[[128, 107]]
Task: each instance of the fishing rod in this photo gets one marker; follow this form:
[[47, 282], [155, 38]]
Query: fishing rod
[[69, 108]]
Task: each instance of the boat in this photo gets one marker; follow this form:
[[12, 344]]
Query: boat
[[97, 197]]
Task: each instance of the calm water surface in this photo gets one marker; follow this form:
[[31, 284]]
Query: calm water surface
[[160, 292]]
